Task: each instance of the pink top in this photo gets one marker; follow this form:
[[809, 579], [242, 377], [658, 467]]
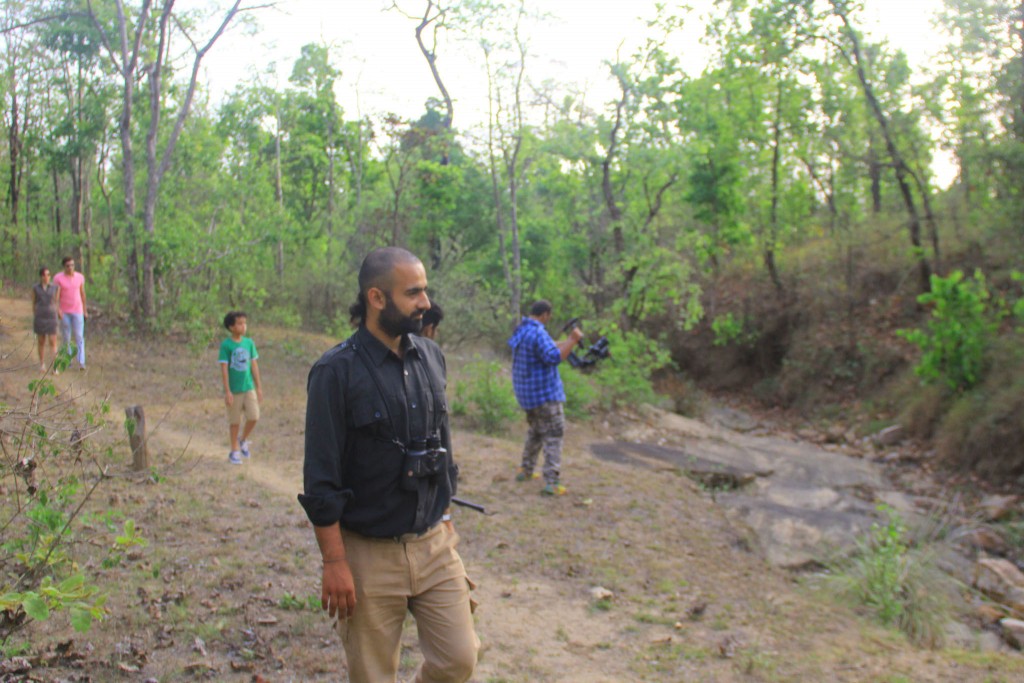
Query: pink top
[[70, 292]]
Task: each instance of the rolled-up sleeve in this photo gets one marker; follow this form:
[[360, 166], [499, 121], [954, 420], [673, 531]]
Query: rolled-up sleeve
[[324, 495]]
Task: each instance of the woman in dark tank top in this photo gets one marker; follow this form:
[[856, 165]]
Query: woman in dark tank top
[[45, 314]]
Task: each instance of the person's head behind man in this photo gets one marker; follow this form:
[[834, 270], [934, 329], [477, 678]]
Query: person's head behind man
[[392, 292], [541, 311], [431, 319]]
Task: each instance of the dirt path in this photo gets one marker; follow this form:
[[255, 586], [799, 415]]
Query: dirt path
[[224, 587]]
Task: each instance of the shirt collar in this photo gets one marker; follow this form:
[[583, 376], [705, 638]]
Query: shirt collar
[[379, 352]]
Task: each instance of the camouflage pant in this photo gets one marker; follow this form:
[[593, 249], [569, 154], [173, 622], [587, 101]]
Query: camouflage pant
[[546, 427]]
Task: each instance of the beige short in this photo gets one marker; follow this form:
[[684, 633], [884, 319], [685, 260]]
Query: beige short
[[244, 403]]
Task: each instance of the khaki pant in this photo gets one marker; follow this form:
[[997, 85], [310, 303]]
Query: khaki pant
[[421, 574]]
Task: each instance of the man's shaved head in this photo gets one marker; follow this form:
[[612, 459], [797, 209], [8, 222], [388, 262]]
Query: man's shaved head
[[376, 271], [379, 265]]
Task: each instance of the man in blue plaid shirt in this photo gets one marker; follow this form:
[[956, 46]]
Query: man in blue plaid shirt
[[539, 390]]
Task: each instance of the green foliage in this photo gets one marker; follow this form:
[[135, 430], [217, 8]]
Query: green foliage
[[625, 378], [486, 396], [729, 329], [82, 601], [47, 470], [296, 603], [900, 588], [959, 332], [1018, 305], [581, 393]]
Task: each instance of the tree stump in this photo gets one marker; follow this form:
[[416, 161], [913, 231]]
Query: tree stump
[[135, 423]]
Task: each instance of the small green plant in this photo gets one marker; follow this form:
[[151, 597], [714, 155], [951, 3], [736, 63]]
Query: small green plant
[[900, 586], [294, 602], [962, 325], [73, 595], [486, 396], [128, 539], [49, 469]]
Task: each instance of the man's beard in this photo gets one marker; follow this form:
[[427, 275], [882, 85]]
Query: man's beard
[[395, 324]]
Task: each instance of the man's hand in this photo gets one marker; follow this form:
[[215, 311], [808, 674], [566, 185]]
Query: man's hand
[[576, 334], [338, 592], [229, 398], [259, 394]]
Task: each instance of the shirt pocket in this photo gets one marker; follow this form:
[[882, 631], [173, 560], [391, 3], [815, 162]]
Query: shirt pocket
[[370, 419], [440, 404], [375, 465]]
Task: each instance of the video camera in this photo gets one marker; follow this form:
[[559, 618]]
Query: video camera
[[591, 354]]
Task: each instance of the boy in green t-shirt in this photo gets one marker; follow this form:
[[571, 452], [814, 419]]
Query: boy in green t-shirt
[[243, 391]]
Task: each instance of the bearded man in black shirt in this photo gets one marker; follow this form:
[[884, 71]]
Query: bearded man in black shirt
[[378, 479]]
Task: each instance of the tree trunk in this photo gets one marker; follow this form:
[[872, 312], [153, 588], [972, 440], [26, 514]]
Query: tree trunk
[[875, 175], [135, 423], [773, 221], [900, 166], [56, 201], [278, 195], [14, 144]]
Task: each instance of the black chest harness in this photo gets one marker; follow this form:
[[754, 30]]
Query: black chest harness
[[423, 457]]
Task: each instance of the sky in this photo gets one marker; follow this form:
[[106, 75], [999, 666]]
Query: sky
[[383, 70]]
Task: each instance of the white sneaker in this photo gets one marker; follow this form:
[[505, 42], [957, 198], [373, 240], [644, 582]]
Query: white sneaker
[[243, 445], [235, 457]]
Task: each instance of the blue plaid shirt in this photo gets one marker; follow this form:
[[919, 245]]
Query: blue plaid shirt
[[535, 360]]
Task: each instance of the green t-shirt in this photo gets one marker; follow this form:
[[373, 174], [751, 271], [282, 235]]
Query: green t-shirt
[[239, 356]]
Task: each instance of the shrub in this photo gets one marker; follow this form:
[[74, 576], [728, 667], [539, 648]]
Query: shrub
[[901, 587], [46, 469], [961, 327], [581, 395], [983, 428], [729, 329], [626, 377], [486, 396]]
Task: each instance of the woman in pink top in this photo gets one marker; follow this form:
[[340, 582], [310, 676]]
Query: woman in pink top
[[73, 310]]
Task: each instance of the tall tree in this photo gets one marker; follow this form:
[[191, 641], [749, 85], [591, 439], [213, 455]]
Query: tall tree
[[138, 48]]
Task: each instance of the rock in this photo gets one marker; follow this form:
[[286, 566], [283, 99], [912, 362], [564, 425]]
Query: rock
[[985, 539], [808, 434], [1013, 632], [960, 635], [601, 593], [835, 434], [15, 665], [988, 614], [890, 436], [990, 642], [1001, 580], [996, 507], [727, 646]]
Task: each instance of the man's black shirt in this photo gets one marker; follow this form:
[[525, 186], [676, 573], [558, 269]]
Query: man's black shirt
[[353, 464]]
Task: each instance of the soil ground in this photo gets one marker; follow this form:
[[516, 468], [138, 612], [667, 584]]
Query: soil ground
[[227, 588]]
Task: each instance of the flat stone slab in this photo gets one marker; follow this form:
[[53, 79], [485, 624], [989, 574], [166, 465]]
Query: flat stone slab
[[804, 503]]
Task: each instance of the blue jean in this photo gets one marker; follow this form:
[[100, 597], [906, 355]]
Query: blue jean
[[74, 323]]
